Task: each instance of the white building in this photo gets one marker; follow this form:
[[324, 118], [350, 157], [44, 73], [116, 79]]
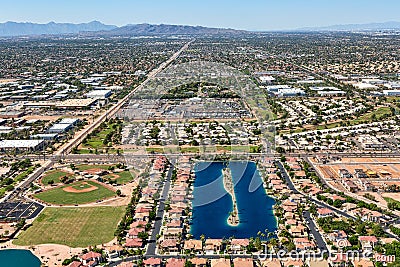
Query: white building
[[24, 145], [99, 94]]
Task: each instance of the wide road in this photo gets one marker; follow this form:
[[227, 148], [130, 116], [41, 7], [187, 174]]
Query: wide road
[[66, 149], [151, 247]]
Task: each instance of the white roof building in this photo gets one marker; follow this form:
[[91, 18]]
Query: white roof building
[[99, 94], [21, 144]]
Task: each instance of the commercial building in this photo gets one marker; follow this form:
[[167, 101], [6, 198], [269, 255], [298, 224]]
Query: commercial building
[[99, 94], [21, 145], [289, 92], [391, 92], [63, 126]]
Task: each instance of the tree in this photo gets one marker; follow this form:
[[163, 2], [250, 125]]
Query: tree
[[119, 193]]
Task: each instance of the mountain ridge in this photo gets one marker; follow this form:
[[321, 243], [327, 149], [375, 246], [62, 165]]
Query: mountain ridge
[[13, 29]]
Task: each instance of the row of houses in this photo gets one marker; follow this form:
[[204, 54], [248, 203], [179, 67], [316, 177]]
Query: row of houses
[[175, 221], [146, 205]]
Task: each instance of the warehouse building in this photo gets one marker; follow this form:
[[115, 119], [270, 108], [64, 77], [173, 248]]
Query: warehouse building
[[21, 145]]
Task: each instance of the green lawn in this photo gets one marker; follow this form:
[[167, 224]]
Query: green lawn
[[155, 149], [96, 140], [74, 227], [190, 149], [54, 176], [59, 197], [24, 174], [124, 177], [85, 167], [391, 201]]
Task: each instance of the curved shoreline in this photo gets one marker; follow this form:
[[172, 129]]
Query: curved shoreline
[[233, 219]]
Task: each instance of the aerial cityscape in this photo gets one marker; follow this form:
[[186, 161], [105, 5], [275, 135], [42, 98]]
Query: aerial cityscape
[[176, 138]]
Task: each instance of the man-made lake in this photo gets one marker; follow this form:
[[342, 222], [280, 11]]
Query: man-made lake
[[212, 204], [18, 258]]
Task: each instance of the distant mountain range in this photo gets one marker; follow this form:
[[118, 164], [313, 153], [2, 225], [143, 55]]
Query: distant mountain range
[[96, 28], [391, 25], [164, 29], [10, 29], [26, 28]]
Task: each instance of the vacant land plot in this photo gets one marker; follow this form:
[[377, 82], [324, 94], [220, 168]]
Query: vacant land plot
[[54, 176], [83, 192], [74, 227]]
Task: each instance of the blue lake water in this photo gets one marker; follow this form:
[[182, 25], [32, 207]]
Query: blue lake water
[[18, 258], [212, 204]]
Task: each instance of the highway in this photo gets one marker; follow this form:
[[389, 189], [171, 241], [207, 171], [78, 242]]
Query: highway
[[66, 149]]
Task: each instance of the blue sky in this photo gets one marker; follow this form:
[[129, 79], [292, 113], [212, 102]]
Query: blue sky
[[245, 14]]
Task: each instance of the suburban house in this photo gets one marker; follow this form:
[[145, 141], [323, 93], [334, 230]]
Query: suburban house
[[152, 262], [213, 246], [368, 242], [221, 262], [324, 213], [239, 245], [193, 245]]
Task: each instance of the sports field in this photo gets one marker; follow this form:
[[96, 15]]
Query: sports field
[[74, 227], [76, 193], [121, 177], [54, 176]]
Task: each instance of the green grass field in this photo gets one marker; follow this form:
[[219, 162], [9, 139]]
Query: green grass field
[[96, 141], [124, 177], [54, 176], [59, 197], [392, 202], [74, 227], [85, 167]]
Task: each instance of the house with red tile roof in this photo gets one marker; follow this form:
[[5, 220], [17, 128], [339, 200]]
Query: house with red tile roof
[[133, 243], [324, 213], [173, 233], [152, 262], [368, 242], [134, 232], [221, 262], [243, 262], [169, 245], [173, 262], [193, 245], [91, 258], [270, 262], [213, 246], [125, 264], [338, 260], [199, 262], [138, 224], [239, 245], [303, 244], [293, 262]]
